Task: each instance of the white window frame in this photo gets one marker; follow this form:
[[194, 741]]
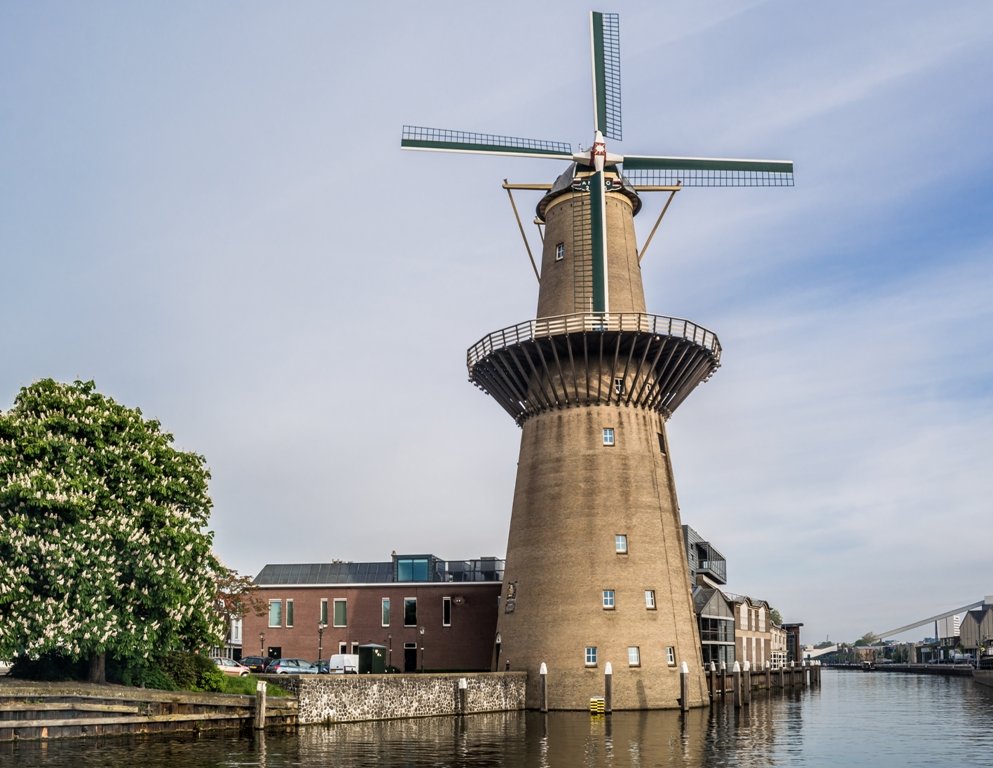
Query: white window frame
[[609, 599], [279, 618], [446, 608], [342, 648], [619, 388], [621, 543], [650, 604], [634, 656], [289, 613], [609, 438], [414, 600], [324, 611], [670, 656], [385, 613], [334, 612], [559, 251], [590, 656]]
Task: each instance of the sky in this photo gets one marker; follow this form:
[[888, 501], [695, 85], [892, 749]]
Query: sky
[[204, 208]]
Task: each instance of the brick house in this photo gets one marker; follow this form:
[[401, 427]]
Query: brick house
[[429, 614]]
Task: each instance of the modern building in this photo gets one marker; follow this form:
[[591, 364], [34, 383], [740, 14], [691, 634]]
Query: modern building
[[794, 648], [976, 629], [716, 621], [428, 613]]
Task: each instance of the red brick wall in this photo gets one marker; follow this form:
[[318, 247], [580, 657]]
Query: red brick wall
[[466, 645]]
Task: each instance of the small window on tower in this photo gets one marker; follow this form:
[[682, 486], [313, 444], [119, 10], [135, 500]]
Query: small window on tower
[[608, 435], [559, 251], [618, 386], [662, 442], [621, 543]]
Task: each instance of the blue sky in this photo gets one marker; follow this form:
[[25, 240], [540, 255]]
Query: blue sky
[[204, 208]]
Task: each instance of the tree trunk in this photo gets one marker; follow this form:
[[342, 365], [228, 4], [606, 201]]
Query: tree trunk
[[98, 668]]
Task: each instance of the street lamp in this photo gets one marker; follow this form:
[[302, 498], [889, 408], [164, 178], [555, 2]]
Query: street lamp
[[420, 631], [321, 626], [262, 644], [389, 640]]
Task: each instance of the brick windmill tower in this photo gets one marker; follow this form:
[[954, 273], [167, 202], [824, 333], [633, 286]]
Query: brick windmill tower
[[596, 569]]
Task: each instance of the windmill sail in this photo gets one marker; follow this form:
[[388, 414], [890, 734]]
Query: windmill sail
[[443, 140], [707, 172], [606, 47]]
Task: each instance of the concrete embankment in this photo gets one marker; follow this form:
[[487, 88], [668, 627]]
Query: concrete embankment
[[32, 710]]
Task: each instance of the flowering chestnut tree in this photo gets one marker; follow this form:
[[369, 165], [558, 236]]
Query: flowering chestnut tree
[[103, 544]]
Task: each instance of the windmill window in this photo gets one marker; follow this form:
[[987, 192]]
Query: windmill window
[[650, 599], [670, 656], [662, 442], [608, 599], [634, 656], [618, 386], [559, 251], [621, 543], [608, 435], [590, 655]]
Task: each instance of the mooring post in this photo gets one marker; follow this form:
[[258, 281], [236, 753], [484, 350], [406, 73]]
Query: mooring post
[[684, 686], [463, 692], [724, 681], [746, 679], [768, 675], [792, 674], [608, 675], [543, 671], [736, 673], [260, 705], [712, 680]]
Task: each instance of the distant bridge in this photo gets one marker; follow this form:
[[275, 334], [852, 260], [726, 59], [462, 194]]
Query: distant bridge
[[817, 652]]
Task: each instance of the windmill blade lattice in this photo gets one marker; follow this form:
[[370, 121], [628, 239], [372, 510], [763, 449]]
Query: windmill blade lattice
[[606, 47], [707, 172], [444, 140]]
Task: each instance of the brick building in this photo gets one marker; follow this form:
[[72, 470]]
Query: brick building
[[429, 614]]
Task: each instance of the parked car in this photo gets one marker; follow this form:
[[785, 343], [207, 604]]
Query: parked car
[[255, 663], [230, 666], [291, 667]]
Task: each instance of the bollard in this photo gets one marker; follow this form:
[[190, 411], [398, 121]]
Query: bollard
[[684, 686], [543, 671], [712, 680], [724, 681], [736, 673], [463, 692], [260, 705], [608, 675], [746, 675], [768, 676]]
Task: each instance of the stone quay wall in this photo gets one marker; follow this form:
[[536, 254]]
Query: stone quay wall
[[351, 698]]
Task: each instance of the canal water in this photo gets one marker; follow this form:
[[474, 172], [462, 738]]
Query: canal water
[[854, 719]]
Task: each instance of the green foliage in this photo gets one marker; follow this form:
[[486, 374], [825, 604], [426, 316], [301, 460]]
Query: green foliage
[[192, 672], [103, 547], [246, 685], [49, 666], [867, 639], [776, 617]]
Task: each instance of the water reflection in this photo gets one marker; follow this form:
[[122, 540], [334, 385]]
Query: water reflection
[[855, 719]]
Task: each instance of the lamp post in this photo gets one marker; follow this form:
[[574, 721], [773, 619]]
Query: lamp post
[[389, 642], [420, 631], [262, 644], [321, 626]]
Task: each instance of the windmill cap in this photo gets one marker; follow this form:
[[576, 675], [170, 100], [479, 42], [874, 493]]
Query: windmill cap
[[563, 185]]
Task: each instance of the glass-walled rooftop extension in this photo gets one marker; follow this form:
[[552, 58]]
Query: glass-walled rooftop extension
[[704, 559], [408, 568]]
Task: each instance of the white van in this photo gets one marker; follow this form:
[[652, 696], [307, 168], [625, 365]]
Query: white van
[[344, 664]]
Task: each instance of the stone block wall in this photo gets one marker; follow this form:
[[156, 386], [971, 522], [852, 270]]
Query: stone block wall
[[350, 698]]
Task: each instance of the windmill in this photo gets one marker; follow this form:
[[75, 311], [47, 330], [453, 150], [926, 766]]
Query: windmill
[[593, 163], [596, 571]]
